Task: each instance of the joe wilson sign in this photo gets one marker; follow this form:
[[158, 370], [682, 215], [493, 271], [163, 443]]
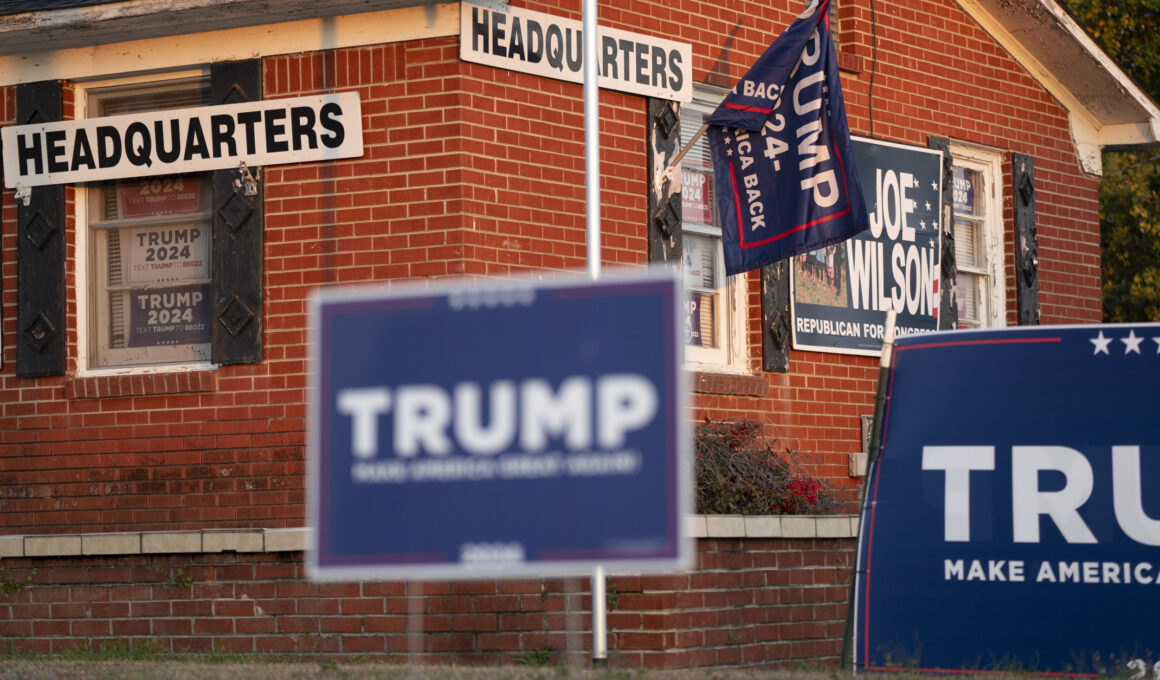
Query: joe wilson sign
[[842, 292], [270, 132]]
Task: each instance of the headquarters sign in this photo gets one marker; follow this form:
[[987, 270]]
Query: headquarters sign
[[532, 42], [475, 431], [1017, 526], [269, 132]]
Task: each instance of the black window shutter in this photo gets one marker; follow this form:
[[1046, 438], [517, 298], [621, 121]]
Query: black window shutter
[[1026, 242], [40, 259], [775, 319], [664, 235], [948, 312], [664, 201], [237, 235]]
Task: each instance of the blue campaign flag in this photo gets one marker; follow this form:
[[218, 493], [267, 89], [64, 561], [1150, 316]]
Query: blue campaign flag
[[782, 156]]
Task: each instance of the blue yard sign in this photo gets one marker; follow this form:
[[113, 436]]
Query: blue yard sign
[[498, 431], [1012, 520]]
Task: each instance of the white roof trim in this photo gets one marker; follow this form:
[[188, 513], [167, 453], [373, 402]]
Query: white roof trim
[[113, 59], [95, 25], [1105, 107]]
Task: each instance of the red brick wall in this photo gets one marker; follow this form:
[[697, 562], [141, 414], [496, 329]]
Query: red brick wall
[[748, 603], [472, 170]]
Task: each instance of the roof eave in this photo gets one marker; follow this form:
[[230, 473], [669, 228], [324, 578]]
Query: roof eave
[[1106, 108], [87, 26]]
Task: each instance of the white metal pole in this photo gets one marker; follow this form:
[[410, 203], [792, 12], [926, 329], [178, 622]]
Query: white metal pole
[[591, 138], [599, 619], [592, 214]]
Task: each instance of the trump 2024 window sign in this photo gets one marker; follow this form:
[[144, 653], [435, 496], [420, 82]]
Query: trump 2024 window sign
[[498, 431], [1012, 520]]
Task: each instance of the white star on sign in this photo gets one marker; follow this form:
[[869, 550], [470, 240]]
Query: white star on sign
[[1101, 343], [934, 186], [1157, 341], [928, 206], [1131, 343]]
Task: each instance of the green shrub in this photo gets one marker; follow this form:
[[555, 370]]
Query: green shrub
[[738, 472]]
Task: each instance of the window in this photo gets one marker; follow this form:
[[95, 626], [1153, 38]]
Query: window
[[148, 246], [978, 231], [714, 317]]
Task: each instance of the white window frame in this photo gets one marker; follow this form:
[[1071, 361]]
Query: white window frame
[[88, 266], [993, 279], [732, 354]]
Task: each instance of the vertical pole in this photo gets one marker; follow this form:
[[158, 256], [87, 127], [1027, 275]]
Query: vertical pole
[[592, 214], [871, 457], [591, 138], [415, 621], [599, 619]]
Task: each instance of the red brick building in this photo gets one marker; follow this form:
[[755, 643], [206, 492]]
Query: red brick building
[[154, 479]]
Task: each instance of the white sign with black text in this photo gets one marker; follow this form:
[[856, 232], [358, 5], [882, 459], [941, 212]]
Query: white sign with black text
[[553, 47], [270, 132]]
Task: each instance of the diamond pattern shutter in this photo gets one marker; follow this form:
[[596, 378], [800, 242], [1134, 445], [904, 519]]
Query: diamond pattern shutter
[[1026, 241], [664, 203], [775, 317], [237, 236], [40, 252]]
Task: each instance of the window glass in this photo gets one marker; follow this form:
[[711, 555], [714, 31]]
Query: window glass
[[714, 322], [978, 239], [701, 285], [149, 249], [970, 254]]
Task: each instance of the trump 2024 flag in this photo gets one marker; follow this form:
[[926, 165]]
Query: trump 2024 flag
[[786, 182]]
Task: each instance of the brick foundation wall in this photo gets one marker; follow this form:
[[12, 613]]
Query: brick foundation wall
[[748, 602]]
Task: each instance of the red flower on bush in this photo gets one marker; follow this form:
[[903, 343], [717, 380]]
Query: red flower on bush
[[803, 493], [738, 472], [806, 489]]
